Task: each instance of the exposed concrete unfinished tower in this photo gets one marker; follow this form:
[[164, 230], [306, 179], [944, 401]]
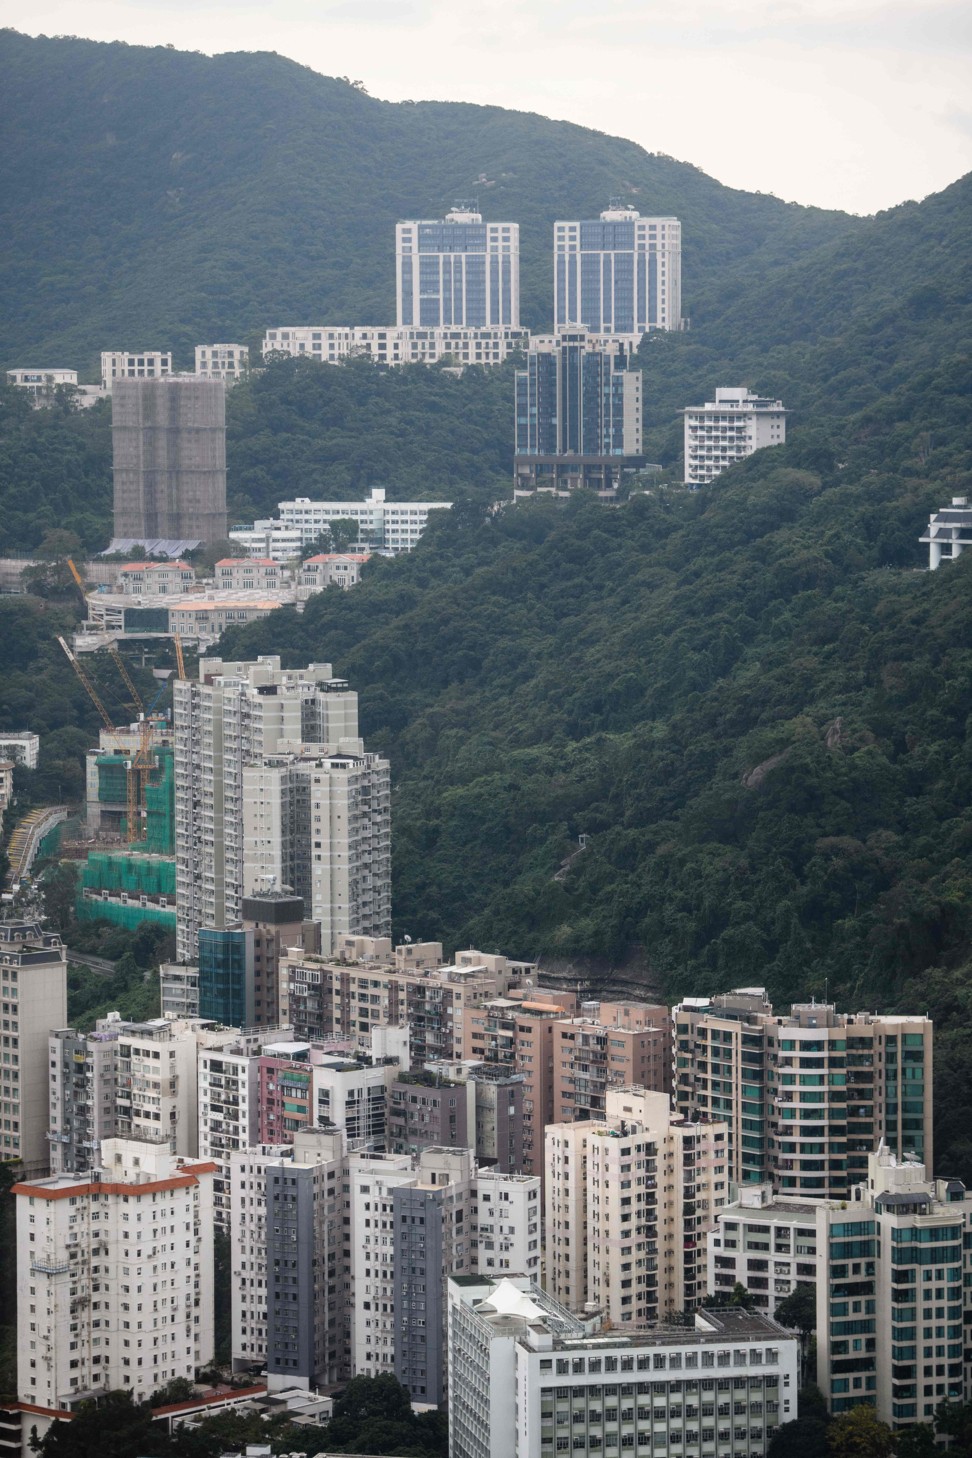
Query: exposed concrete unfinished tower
[[169, 457]]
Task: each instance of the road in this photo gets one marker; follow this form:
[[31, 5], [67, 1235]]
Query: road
[[97, 964]]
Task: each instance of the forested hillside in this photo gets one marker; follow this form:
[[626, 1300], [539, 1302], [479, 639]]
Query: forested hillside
[[150, 197], [751, 699]]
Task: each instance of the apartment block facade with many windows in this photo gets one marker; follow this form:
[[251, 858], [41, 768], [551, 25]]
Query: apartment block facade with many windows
[[114, 1276], [33, 998], [765, 1242], [807, 1095], [457, 345], [629, 1200], [528, 1379], [458, 270], [578, 415], [893, 1293], [727, 429], [619, 273], [232, 716]]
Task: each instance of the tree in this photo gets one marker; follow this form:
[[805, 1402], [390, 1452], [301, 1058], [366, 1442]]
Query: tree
[[344, 531], [859, 1433], [954, 1421], [805, 1437], [113, 1427], [799, 1309]]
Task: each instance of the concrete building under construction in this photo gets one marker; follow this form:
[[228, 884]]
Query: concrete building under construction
[[169, 459]]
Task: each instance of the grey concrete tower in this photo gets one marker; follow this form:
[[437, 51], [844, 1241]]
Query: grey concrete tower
[[169, 459]]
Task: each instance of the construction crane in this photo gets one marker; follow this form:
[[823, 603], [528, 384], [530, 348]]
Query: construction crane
[[120, 665], [137, 773], [180, 661], [137, 766], [87, 684], [76, 575]]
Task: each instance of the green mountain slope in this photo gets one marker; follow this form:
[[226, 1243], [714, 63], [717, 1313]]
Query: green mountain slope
[[150, 197]]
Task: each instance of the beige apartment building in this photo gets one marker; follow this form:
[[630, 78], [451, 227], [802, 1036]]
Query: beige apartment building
[[517, 1032], [808, 1095], [629, 1200], [611, 1045], [366, 986]]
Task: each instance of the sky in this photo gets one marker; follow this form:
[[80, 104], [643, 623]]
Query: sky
[[838, 103]]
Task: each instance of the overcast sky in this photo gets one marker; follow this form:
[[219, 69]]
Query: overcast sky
[[842, 103]]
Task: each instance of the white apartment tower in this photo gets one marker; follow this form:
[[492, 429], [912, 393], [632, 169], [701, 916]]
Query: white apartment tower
[[114, 1276], [618, 274], [629, 1199], [232, 716], [727, 429], [321, 824], [457, 271], [33, 989]]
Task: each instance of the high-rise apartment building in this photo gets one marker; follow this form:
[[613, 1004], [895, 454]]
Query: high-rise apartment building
[[578, 415], [807, 1095], [114, 1277], [629, 1198], [384, 1231], [320, 822], [618, 274], [33, 991], [517, 1032], [169, 459], [893, 1302], [305, 1262], [83, 1087], [232, 716], [365, 986], [458, 270], [610, 1045], [727, 429], [228, 1103], [529, 1379]]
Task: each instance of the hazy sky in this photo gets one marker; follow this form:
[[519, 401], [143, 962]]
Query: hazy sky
[[843, 103]]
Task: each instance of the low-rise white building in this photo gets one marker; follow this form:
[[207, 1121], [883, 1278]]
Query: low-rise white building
[[330, 569], [767, 1244], [6, 783], [114, 1277], [227, 362], [724, 430], [41, 384], [22, 748], [155, 579], [398, 344], [949, 532], [527, 1379], [384, 526], [250, 574], [131, 364], [204, 619]]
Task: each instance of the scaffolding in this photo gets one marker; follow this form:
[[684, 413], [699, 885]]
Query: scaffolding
[[127, 889]]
